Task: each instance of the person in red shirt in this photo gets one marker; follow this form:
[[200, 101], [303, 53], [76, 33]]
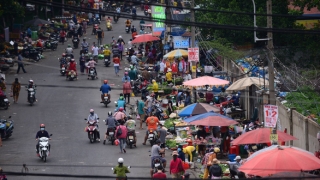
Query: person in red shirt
[[146, 7], [116, 64], [62, 36], [160, 174], [176, 167]]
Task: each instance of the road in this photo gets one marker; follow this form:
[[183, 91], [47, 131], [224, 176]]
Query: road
[[62, 106]]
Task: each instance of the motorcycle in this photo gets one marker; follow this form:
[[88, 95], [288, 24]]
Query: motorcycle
[[96, 21], [44, 149], [109, 27], [111, 137], [107, 61], [144, 92], [71, 75], [127, 29], [4, 102], [156, 163], [146, 12], [7, 127], [130, 139], [63, 70], [106, 99], [32, 53], [50, 44], [75, 42], [92, 74], [152, 137], [159, 112], [92, 130], [31, 95]]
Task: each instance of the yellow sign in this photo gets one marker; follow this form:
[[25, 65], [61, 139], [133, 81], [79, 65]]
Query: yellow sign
[[273, 137], [308, 24], [194, 69]]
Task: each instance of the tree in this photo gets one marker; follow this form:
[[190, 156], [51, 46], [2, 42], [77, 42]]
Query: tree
[[307, 3], [9, 10]]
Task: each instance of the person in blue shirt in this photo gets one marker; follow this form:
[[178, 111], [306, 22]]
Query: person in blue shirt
[[179, 97], [121, 102], [105, 88], [126, 75], [29, 32]]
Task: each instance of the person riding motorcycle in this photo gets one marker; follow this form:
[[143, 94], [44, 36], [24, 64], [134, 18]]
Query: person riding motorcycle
[[112, 123], [91, 64], [69, 51], [152, 123], [121, 170], [94, 117], [63, 60], [105, 89], [33, 86], [40, 134], [84, 46], [120, 115], [131, 126], [107, 53], [72, 65], [109, 24], [128, 23]]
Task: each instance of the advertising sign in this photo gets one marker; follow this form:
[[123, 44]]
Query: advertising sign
[[193, 54], [270, 115], [180, 42], [158, 15]]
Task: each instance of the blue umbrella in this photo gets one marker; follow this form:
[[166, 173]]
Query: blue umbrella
[[210, 119], [197, 108]]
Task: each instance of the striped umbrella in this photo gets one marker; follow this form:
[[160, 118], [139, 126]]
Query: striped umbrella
[[176, 54]]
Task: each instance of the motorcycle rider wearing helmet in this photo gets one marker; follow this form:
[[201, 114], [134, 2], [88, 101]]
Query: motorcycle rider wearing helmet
[[152, 124], [69, 51], [156, 152], [149, 103], [111, 122], [121, 102], [72, 66], [84, 46], [120, 115], [131, 126], [91, 64], [40, 134], [121, 170], [126, 76], [105, 89], [63, 60], [32, 85], [94, 117]]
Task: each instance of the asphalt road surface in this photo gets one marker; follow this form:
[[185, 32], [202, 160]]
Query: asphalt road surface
[[62, 106]]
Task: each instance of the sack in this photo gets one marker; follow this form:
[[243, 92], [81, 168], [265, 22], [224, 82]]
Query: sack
[[186, 165], [116, 142], [119, 131]]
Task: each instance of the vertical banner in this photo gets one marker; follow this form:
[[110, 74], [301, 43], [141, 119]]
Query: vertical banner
[[6, 34], [159, 16], [193, 54], [270, 115]]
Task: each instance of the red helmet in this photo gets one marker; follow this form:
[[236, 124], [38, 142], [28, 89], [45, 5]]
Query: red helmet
[[121, 109], [105, 81], [42, 126], [189, 140], [63, 54]]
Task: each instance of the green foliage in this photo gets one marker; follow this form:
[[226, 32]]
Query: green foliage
[[10, 9], [224, 49], [304, 99], [171, 143], [306, 3]]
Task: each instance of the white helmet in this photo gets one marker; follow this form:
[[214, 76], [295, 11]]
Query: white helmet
[[31, 81], [120, 160], [91, 110], [120, 36]]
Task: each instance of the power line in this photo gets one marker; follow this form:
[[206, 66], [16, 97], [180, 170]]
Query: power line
[[187, 23]]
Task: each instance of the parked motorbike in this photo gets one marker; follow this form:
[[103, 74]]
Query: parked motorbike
[[31, 95], [152, 137], [107, 61], [50, 44], [7, 58], [71, 75], [44, 148], [106, 99], [32, 53], [92, 74], [4, 102], [130, 139], [92, 130], [54, 36], [75, 42], [6, 127]]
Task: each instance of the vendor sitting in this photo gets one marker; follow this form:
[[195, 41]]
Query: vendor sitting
[[169, 76]]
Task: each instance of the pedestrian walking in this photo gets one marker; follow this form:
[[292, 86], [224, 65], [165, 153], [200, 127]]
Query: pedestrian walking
[[120, 47], [84, 26], [116, 64], [176, 167], [20, 64], [162, 133], [15, 90], [100, 35], [121, 135], [126, 90], [141, 113]]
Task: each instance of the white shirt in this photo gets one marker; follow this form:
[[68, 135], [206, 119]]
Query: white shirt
[[162, 65], [187, 77], [95, 51], [129, 44]]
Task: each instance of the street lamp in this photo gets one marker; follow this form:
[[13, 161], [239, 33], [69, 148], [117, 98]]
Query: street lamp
[[255, 24]]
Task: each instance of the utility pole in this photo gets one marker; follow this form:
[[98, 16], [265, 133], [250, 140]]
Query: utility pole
[[193, 35], [272, 98]]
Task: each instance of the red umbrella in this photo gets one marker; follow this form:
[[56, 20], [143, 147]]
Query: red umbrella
[[261, 135], [145, 38], [210, 119], [275, 159]]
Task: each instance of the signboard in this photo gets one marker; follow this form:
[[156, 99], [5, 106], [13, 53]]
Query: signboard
[[193, 54], [270, 115], [180, 42], [194, 69], [159, 15]]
